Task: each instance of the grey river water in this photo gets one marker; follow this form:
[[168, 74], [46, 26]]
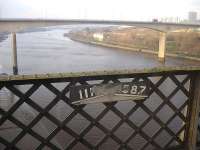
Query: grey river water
[[49, 52]]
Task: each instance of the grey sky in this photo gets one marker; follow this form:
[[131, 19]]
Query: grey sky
[[98, 9]]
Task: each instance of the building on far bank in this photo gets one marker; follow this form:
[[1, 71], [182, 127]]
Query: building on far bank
[[192, 17], [98, 36], [170, 19]]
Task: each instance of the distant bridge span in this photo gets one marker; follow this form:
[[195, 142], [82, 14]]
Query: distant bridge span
[[15, 25]]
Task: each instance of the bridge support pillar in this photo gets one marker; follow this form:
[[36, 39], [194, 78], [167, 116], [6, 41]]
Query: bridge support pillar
[[14, 54], [162, 46]]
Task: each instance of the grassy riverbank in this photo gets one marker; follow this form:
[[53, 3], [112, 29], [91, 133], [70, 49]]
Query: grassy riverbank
[[134, 49], [181, 43]]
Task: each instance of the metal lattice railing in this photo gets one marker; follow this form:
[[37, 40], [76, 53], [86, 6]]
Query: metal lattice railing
[[38, 114]]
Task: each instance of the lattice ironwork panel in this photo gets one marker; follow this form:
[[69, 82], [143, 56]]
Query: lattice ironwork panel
[[37, 114]]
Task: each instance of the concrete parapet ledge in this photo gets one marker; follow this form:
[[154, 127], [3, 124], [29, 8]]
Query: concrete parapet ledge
[[98, 73]]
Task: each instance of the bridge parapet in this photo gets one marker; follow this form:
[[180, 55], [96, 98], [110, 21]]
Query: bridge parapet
[[98, 73], [169, 124]]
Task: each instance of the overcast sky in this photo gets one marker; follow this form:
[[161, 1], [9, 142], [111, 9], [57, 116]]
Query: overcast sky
[[98, 9]]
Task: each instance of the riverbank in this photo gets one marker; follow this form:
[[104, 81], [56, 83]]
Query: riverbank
[[181, 43], [136, 49]]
